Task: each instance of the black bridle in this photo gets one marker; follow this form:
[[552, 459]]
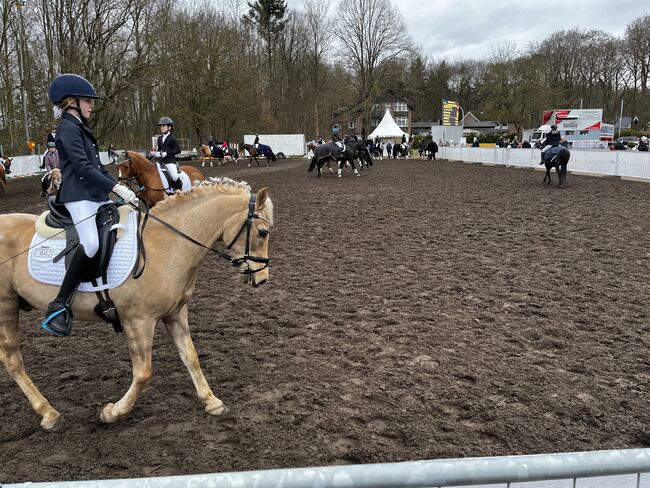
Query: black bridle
[[248, 224]]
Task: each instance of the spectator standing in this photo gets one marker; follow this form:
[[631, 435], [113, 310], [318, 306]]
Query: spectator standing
[[643, 144]]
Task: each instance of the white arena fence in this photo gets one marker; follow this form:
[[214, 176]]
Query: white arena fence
[[289, 144], [628, 164], [30, 165], [627, 468]]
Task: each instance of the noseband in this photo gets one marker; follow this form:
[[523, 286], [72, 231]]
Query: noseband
[[248, 224]]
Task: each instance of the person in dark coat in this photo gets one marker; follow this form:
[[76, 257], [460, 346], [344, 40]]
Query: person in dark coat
[[51, 137], [389, 149], [256, 142], [50, 162], [525, 145], [85, 187], [552, 139], [168, 148], [403, 138], [643, 144]]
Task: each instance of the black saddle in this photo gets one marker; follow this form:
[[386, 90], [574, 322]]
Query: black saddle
[[107, 216]]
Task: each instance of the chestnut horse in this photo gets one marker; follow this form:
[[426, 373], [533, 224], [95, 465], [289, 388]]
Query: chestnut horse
[[5, 169], [219, 211], [134, 166]]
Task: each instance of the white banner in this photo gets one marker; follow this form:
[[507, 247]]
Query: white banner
[[289, 144], [30, 165]]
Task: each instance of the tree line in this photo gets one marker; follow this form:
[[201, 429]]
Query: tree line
[[223, 68]]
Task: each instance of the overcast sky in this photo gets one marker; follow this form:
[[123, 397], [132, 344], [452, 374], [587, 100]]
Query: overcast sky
[[471, 28]]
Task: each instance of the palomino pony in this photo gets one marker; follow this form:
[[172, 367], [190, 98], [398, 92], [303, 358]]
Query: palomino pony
[[219, 211], [134, 166], [5, 169], [262, 150]]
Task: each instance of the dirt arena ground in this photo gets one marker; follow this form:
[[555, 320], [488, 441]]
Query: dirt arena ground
[[424, 310]]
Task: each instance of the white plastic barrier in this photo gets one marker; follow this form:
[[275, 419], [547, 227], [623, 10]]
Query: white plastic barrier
[[630, 164], [30, 165], [289, 144], [24, 166]]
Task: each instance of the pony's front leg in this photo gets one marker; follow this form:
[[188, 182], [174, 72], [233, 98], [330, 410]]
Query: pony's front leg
[[178, 327], [12, 359], [139, 336]]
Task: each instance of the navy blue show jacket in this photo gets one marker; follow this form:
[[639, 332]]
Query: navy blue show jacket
[[171, 147], [84, 176]]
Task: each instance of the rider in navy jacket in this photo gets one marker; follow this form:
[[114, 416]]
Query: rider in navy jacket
[[168, 148], [85, 188], [85, 176]]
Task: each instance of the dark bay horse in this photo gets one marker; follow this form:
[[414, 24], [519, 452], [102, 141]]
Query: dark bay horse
[[262, 150], [558, 158]]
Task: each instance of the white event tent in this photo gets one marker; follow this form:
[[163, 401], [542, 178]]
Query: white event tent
[[387, 128]]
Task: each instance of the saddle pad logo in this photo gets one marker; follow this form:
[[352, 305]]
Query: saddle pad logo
[[44, 253]]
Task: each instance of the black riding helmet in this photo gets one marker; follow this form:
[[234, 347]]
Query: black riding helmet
[[166, 121], [554, 126], [71, 85]]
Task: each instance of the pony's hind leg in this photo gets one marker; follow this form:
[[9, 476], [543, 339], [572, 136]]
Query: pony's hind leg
[[12, 359], [179, 329], [139, 335]]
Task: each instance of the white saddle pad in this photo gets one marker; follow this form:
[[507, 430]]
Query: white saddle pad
[[187, 184], [122, 261]]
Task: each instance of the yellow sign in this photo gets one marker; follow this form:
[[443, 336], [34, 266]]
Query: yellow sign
[[450, 111]]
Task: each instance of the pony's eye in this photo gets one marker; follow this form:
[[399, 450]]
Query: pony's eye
[[263, 233]]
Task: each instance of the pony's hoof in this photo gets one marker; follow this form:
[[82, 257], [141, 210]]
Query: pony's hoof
[[52, 422], [215, 407], [249, 165], [107, 414]]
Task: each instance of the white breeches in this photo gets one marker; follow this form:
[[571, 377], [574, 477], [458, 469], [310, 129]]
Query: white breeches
[[83, 215], [172, 169]]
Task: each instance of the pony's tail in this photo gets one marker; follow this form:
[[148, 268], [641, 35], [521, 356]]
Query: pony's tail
[[312, 164], [273, 156]]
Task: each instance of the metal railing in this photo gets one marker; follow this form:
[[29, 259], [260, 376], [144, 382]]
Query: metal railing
[[437, 473]]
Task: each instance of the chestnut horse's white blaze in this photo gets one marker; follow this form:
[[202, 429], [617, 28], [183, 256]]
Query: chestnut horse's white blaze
[[212, 212]]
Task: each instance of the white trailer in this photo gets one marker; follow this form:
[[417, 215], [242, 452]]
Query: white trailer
[[581, 127]]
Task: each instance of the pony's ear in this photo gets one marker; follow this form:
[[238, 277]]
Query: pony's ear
[[262, 195]]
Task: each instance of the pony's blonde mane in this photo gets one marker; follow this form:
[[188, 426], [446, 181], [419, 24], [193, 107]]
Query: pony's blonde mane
[[212, 185]]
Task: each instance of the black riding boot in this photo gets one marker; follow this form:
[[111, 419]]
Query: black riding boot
[[58, 317], [178, 184]]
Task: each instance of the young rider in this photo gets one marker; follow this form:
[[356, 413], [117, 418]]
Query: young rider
[[552, 139], [50, 162], [168, 148], [256, 142], [336, 136], [85, 187]]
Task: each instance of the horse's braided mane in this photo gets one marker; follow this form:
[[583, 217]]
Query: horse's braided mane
[[212, 185]]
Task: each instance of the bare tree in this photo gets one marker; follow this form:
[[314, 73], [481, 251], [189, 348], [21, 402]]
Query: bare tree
[[319, 43], [373, 33]]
